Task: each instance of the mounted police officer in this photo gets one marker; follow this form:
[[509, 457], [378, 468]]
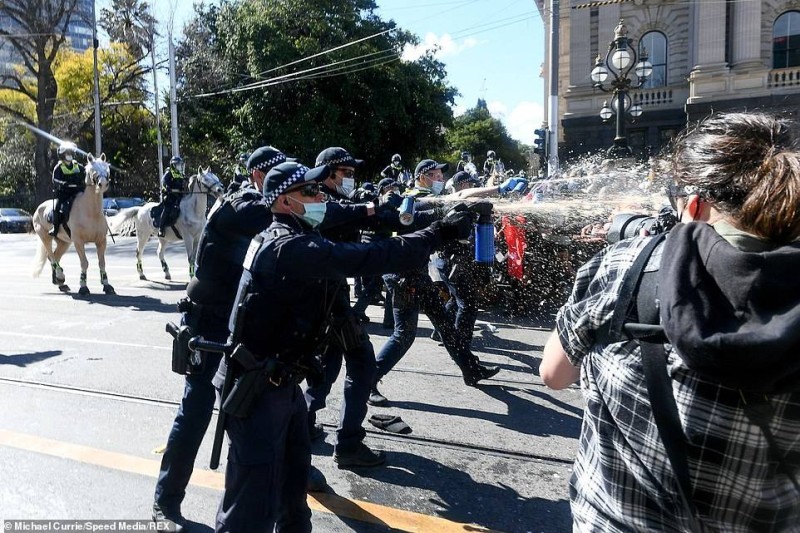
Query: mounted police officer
[[283, 306], [68, 180], [227, 234], [395, 169], [414, 291], [173, 186]]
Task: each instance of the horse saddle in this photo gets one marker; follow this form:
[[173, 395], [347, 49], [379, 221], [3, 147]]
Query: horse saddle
[[171, 212]]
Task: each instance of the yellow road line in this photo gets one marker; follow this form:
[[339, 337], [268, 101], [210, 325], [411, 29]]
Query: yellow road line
[[327, 503]]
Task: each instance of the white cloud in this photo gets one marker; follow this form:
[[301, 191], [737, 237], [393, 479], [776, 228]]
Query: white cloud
[[443, 46], [497, 109], [523, 119]]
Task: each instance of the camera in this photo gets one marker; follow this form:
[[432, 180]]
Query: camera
[[629, 225]]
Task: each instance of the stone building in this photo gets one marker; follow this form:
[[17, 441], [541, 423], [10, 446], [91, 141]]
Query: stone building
[[707, 55]]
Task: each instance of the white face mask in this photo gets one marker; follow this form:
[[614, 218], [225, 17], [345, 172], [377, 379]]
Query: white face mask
[[68, 158], [347, 187], [437, 187]]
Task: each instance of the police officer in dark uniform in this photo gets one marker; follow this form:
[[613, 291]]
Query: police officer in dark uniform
[[286, 292], [352, 343], [68, 180], [173, 185], [210, 294], [415, 291]]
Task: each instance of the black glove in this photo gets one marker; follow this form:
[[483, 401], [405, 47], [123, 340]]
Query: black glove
[[456, 225], [389, 204]]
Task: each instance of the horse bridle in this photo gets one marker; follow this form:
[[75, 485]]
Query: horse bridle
[[197, 178]]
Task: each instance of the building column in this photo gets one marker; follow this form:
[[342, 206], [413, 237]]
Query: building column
[[580, 61], [708, 27], [709, 77], [746, 36]]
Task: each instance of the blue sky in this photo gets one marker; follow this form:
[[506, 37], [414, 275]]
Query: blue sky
[[492, 50]]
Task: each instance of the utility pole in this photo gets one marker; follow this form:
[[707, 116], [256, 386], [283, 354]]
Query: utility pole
[[98, 141], [173, 104], [155, 98], [552, 114]]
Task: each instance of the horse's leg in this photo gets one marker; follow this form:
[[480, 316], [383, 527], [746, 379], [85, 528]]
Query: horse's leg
[[58, 273], [80, 248], [142, 240], [191, 251], [162, 244], [101, 262]]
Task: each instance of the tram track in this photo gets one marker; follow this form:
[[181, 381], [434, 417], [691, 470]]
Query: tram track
[[430, 442]]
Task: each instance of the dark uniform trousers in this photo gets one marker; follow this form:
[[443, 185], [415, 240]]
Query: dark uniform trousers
[[359, 376], [186, 435], [268, 465], [419, 292]]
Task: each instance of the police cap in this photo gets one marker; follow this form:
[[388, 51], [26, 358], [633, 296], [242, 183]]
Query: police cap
[[337, 157], [426, 165], [286, 175], [265, 158]]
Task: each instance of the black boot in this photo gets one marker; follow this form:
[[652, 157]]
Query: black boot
[[479, 372], [56, 223]]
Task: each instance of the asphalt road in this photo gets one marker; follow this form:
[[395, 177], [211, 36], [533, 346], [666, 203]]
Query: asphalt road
[[88, 399]]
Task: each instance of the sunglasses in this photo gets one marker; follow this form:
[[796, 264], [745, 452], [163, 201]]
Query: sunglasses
[[310, 190], [674, 192]]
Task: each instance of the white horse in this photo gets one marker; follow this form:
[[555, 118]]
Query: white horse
[[189, 224], [86, 223]]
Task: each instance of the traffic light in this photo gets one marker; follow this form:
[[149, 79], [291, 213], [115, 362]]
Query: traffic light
[[540, 138]]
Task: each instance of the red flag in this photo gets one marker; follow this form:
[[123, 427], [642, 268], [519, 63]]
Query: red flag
[[515, 239]]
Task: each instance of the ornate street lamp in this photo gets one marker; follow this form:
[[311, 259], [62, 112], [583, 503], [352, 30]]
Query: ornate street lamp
[[620, 60]]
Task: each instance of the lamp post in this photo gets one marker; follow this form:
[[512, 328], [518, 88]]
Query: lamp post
[[620, 60]]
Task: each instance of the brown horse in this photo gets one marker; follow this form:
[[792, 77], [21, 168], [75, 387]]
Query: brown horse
[[87, 223]]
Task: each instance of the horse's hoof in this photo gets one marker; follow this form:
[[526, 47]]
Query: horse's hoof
[[167, 277], [108, 289], [63, 288], [83, 291], [142, 277]]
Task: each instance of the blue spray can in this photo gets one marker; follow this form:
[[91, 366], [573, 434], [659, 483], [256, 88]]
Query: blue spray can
[[407, 211], [484, 239]]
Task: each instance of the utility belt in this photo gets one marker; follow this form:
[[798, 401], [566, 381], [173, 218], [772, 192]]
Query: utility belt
[[196, 319], [254, 375]]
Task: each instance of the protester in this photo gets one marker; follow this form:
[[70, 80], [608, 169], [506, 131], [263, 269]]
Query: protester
[[724, 286]]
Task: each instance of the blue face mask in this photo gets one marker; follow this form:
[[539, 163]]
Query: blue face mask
[[315, 212]]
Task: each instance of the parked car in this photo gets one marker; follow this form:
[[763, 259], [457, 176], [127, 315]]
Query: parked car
[[112, 206], [14, 220]]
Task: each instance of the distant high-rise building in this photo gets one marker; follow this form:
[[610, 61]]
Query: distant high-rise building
[[79, 34]]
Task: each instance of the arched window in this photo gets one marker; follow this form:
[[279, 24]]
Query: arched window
[[654, 43], [786, 40]]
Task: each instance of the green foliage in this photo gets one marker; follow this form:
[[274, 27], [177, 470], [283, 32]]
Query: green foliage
[[17, 175], [477, 132], [373, 104]]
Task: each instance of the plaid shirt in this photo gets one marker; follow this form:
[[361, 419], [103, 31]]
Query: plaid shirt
[[622, 480]]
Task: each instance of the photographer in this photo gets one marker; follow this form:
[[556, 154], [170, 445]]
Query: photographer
[[724, 292]]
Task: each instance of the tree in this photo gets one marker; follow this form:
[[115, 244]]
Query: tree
[[360, 96], [37, 31], [477, 132]]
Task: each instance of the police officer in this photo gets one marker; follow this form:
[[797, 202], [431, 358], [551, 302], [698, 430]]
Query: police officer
[[290, 269], [488, 165], [68, 180], [210, 294], [466, 158], [352, 343], [240, 174], [415, 291], [173, 185], [395, 169]]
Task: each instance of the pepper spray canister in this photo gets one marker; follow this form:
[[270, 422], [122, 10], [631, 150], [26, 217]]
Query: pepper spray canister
[[407, 211], [484, 239]]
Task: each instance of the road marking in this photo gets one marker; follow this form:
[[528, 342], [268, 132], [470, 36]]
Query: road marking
[[82, 341], [327, 503]]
